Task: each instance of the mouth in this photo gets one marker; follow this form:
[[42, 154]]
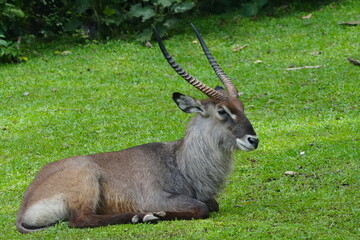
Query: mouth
[[246, 145], [244, 148]]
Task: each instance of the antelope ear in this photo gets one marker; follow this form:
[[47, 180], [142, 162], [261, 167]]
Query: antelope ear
[[188, 104]]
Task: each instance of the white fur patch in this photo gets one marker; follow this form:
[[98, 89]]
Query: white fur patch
[[46, 212], [233, 116], [244, 144], [149, 217], [135, 219], [160, 214]]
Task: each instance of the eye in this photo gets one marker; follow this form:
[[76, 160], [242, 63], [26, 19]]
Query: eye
[[222, 112]]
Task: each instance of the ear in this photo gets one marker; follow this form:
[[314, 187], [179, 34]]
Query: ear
[[188, 104]]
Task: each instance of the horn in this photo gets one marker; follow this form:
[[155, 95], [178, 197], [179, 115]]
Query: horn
[[219, 72], [211, 93]]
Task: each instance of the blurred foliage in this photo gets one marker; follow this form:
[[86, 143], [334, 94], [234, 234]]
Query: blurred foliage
[[11, 19], [100, 19]]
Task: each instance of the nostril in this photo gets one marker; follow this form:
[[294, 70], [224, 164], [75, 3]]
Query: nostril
[[253, 141]]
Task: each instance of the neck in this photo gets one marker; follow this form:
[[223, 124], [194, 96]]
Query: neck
[[204, 158]]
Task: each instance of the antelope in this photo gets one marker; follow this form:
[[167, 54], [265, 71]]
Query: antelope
[[149, 182]]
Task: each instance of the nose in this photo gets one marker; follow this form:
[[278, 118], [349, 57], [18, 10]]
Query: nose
[[254, 141]]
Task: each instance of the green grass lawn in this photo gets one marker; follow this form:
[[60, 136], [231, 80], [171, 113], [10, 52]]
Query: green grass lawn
[[110, 96]]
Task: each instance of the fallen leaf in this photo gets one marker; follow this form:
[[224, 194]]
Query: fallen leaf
[[148, 44], [307, 17], [290, 173], [299, 68], [64, 53], [316, 53], [351, 23], [353, 61], [239, 48]]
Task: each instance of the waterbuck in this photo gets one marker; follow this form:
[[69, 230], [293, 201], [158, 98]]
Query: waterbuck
[[150, 182]]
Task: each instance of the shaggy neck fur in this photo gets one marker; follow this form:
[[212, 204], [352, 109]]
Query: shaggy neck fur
[[205, 156]]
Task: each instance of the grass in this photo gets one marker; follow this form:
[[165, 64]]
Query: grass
[[110, 96]]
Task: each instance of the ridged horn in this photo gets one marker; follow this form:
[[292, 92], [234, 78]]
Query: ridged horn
[[219, 72], [210, 92]]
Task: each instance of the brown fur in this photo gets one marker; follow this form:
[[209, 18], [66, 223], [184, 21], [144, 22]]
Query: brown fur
[[150, 182]]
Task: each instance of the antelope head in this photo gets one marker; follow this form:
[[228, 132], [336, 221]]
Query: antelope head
[[223, 107]]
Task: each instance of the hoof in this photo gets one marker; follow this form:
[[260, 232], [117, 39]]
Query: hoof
[[135, 219], [150, 217], [160, 214]]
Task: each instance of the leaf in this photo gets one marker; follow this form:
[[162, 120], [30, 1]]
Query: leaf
[[13, 12], [72, 25], [148, 44], [307, 17], [171, 23], [144, 12], [239, 48], [83, 5], [64, 53], [299, 68], [165, 3], [351, 23], [3, 43], [252, 7], [249, 9], [23, 58], [353, 61], [316, 53], [290, 173], [109, 11], [145, 35], [183, 7], [261, 3]]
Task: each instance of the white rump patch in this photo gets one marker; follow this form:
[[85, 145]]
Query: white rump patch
[[46, 212]]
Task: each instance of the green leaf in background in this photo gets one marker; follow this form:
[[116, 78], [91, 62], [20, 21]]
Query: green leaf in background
[[144, 12], [83, 5], [249, 9], [13, 12], [170, 23], [252, 8], [145, 35], [72, 25], [261, 3], [109, 11], [183, 7], [165, 3], [3, 43]]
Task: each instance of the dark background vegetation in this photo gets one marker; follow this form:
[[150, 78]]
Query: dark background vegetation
[[105, 19]]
